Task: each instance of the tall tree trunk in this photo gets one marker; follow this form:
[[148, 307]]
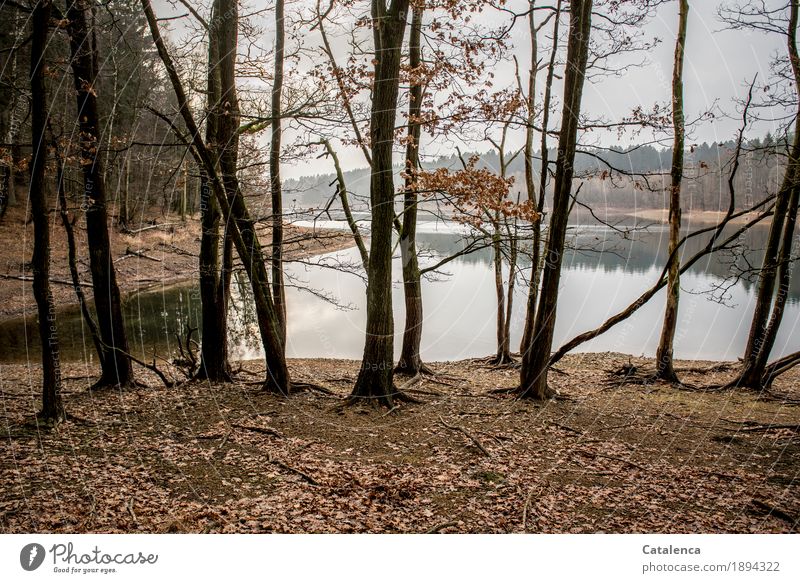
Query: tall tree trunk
[[116, 365], [234, 210], [72, 257], [533, 284], [664, 361], [505, 299], [52, 406], [775, 270], [410, 359], [513, 255], [503, 351], [375, 377], [533, 378], [7, 42], [276, 189], [214, 364]]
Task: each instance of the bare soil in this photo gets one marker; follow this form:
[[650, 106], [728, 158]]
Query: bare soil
[[607, 456], [160, 250]]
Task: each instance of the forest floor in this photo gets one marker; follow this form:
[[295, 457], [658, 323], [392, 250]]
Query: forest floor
[[605, 457], [160, 250]]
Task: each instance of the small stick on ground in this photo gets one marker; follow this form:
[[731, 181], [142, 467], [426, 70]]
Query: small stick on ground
[[441, 526], [612, 457], [289, 468], [129, 508], [264, 430], [772, 510], [474, 439]]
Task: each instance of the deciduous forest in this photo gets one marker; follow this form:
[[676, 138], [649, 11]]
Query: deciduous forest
[[399, 266]]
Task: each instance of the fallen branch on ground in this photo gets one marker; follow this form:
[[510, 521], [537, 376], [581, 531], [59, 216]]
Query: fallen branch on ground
[[474, 439]]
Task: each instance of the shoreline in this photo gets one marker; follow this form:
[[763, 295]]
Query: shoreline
[[169, 258]]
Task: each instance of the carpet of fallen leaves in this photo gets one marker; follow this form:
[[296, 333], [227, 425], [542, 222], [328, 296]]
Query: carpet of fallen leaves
[[607, 456]]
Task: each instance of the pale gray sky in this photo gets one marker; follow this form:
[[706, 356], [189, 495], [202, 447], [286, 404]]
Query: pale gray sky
[[718, 65]]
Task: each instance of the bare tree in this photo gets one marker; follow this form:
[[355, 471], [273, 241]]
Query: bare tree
[[775, 274], [116, 364], [410, 359], [52, 406], [214, 364], [664, 361], [375, 376], [228, 195], [276, 191], [535, 357]]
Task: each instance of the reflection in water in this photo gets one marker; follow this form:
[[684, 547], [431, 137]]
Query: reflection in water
[[603, 272]]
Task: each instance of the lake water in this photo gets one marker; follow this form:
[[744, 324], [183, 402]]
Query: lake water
[[602, 274]]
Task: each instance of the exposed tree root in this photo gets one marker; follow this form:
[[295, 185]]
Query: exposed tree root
[[519, 393], [440, 527], [772, 510], [420, 369], [307, 386], [497, 361], [398, 394], [474, 439]]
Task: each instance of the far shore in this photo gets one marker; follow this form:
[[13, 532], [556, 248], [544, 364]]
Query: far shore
[[160, 252]]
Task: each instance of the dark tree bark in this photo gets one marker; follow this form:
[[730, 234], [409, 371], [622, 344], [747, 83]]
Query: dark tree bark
[[375, 377], [52, 406], [410, 359], [72, 256], [775, 273], [664, 361], [116, 365], [240, 225], [6, 93], [533, 378], [533, 285], [214, 364], [276, 189]]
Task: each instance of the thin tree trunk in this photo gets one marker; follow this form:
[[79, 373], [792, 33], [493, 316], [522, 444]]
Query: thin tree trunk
[[512, 279], [341, 190], [754, 372], [375, 377], [116, 365], [664, 361], [7, 56], [533, 378], [52, 406], [503, 351], [410, 359], [123, 215], [533, 284], [239, 224], [276, 189], [72, 259], [775, 270]]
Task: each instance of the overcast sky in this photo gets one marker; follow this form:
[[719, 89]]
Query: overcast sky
[[718, 65]]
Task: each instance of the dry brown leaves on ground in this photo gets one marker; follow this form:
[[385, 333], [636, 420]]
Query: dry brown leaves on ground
[[227, 458]]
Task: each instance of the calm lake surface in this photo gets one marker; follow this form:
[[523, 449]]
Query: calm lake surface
[[602, 274]]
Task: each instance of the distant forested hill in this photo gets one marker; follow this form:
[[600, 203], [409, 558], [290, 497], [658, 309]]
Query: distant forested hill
[[621, 179]]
